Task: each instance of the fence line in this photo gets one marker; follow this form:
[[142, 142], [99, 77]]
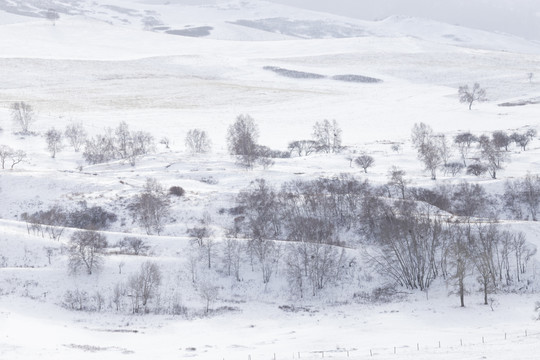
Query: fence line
[[374, 352]]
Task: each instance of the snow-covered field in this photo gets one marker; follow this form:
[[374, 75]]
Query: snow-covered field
[[100, 64]]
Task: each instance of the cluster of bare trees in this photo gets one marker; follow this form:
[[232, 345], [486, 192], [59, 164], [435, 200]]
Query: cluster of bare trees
[[242, 137], [134, 295], [522, 197], [488, 152], [23, 116], [53, 220], [197, 141], [243, 134], [151, 208], [326, 139], [120, 143], [417, 246], [86, 251], [416, 235]]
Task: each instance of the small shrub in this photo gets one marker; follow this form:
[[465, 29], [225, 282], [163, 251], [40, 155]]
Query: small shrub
[[380, 295], [133, 246], [209, 180], [453, 168], [177, 191], [476, 169]]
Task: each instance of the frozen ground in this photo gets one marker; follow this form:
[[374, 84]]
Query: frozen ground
[[99, 66]]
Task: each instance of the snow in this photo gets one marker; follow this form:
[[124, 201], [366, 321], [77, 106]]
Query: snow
[[94, 68]]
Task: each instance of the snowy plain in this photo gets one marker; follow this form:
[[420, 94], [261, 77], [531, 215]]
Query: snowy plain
[[99, 66]]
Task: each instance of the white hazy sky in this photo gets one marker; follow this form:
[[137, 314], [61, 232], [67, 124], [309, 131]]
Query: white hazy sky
[[519, 17]]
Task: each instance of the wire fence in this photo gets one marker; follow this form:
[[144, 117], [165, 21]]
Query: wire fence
[[399, 349]]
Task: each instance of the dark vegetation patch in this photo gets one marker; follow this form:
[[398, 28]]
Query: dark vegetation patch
[[532, 101], [310, 29], [296, 309], [293, 73], [200, 31], [356, 78], [177, 191]]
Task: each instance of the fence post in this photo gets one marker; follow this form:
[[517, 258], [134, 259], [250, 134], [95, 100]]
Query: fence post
[[418, 346], [482, 342], [461, 342], [525, 332], [504, 336], [394, 349], [439, 344], [370, 352]]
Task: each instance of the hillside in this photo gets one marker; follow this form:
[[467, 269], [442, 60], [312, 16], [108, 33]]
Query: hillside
[[162, 70]]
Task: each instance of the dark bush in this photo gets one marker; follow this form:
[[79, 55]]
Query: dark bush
[[293, 73], [91, 218], [177, 191], [476, 169], [133, 246]]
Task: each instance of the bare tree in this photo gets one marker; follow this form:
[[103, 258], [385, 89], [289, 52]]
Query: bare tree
[[22, 115], [17, 157], [202, 236], [5, 153], [477, 169], [409, 242], [364, 161], [523, 139], [464, 142], [133, 245], [197, 141], [396, 179], [260, 204], [242, 138], [523, 196], [493, 156], [232, 257], [144, 285], [421, 134], [430, 148], [327, 135], [430, 155], [303, 147], [208, 291], [151, 207], [86, 250], [76, 135], [141, 143], [313, 264], [100, 148], [471, 200], [501, 140], [453, 168], [483, 247], [460, 258], [54, 141], [469, 96]]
